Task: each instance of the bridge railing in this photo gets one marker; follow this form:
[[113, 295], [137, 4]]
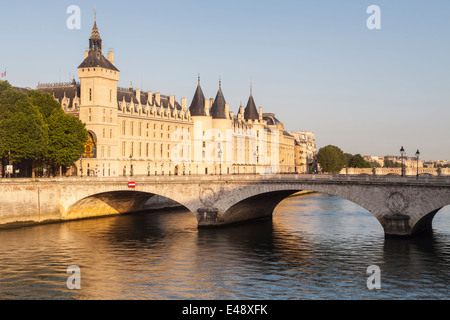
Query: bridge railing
[[249, 177]]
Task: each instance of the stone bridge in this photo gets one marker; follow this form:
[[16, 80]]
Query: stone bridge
[[404, 206]]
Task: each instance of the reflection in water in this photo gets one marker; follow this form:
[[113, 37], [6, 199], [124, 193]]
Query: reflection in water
[[316, 247]]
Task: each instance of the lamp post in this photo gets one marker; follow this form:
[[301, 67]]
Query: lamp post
[[131, 165], [417, 158], [81, 165], [256, 161], [9, 164], [220, 163], [402, 153]]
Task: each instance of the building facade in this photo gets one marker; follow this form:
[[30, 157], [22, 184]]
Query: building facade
[[305, 151], [132, 132]]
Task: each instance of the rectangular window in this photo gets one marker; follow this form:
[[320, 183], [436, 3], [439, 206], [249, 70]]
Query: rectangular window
[[90, 94]]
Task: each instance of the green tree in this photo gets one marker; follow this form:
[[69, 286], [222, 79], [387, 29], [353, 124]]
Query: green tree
[[391, 164], [331, 159], [375, 164], [66, 134], [35, 129], [22, 128], [66, 139], [347, 157], [357, 161]]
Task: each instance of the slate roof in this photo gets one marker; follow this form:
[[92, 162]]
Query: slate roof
[[197, 107], [218, 108], [96, 59], [250, 112], [270, 118], [61, 90], [130, 97]]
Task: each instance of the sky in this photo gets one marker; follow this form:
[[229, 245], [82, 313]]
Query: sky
[[314, 63]]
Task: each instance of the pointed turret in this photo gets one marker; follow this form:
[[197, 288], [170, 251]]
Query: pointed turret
[[197, 107], [95, 41], [218, 109], [251, 113], [94, 56]]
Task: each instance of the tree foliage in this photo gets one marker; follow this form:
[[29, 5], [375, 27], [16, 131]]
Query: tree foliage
[[331, 159], [22, 128], [391, 164], [66, 139], [357, 161], [35, 129]]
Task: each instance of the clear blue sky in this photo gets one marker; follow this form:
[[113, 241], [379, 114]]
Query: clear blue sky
[[314, 64]]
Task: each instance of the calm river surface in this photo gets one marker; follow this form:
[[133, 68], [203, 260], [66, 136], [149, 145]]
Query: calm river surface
[[316, 247]]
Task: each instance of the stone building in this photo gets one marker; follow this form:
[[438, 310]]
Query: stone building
[[305, 151], [132, 132]]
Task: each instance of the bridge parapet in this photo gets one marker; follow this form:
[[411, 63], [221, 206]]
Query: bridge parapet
[[428, 180]]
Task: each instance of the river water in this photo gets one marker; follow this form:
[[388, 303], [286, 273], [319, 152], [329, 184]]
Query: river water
[[316, 247]]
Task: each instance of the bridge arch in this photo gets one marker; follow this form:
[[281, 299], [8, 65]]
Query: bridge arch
[[400, 211], [255, 202], [110, 199]]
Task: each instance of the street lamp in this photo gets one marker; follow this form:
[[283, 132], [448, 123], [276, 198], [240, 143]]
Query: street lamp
[[402, 153], [131, 165], [81, 165], [417, 158], [220, 158], [9, 164], [256, 162]]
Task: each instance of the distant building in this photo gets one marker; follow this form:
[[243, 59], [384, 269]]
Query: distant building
[[305, 151]]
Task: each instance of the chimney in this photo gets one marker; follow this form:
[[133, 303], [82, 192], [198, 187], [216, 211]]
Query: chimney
[[207, 107], [260, 114], [172, 100], [158, 99], [183, 104], [150, 98], [232, 114], [138, 95], [111, 56], [227, 110]]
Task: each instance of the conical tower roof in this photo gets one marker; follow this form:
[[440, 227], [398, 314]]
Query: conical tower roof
[[250, 112], [218, 108], [95, 34], [197, 107]]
